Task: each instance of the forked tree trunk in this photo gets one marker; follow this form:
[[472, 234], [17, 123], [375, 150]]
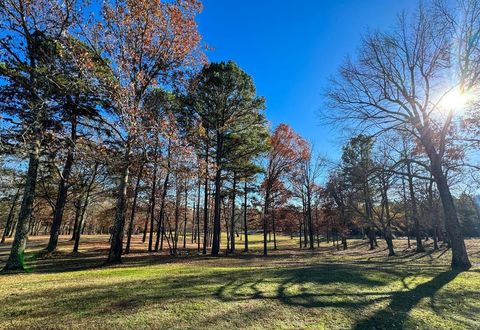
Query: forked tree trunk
[[62, 189]]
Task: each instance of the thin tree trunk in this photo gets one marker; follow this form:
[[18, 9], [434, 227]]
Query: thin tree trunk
[[11, 212], [153, 198], [232, 219], [388, 234], [185, 216], [198, 216], [161, 222], [433, 216], [145, 226], [78, 210], [413, 199], [265, 223], [75, 221], [194, 229], [274, 229], [245, 222], [205, 199], [177, 216], [134, 209], [81, 223], [63, 188], [305, 220], [310, 219], [218, 197], [300, 234], [405, 208]]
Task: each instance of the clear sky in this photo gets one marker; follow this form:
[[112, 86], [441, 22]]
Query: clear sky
[[290, 48]]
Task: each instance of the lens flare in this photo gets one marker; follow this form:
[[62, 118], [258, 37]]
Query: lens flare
[[455, 100]]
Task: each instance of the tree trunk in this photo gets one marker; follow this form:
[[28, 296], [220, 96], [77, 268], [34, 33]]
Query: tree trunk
[[413, 199], [205, 201], [161, 221], [405, 208], [433, 215], [198, 216], [115, 253], [177, 215], [218, 196], [16, 258], [245, 222], [265, 223], [134, 209], [460, 258], [11, 212], [77, 230], [344, 229], [63, 188], [153, 199], [305, 220], [77, 217], [309, 217], [185, 216], [232, 219], [371, 237], [300, 234], [388, 232], [274, 229], [145, 226]]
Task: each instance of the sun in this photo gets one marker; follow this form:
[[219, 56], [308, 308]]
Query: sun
[[455, 100]]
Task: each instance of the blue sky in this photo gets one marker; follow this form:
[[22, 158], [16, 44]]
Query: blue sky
[[290, 48]]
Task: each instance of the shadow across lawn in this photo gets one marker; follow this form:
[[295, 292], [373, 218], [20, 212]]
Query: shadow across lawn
[[402, 302], [351, 289], [324, 285]]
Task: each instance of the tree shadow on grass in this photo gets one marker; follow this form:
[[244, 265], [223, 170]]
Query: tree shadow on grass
[[349, 288], [131, 289], [402, 302], [324, 285]]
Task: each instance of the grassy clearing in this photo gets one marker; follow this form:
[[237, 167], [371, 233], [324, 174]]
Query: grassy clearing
[[326, 288]]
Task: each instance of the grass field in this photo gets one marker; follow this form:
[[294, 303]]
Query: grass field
[[353, 289]]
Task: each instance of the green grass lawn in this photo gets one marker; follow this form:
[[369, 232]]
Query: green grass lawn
[[353, 289]]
